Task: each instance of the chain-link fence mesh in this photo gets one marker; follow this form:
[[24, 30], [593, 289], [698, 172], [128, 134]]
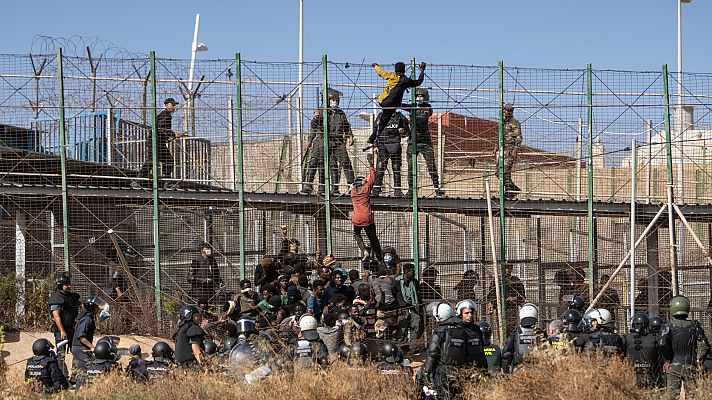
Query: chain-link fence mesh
[[578, 126]]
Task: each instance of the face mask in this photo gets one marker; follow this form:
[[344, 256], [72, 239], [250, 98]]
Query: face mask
[[333, 104], [420, 100], [104, 315], [387, 259], [208, 252], [343, 322]]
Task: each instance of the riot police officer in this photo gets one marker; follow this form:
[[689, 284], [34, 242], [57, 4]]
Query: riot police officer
[[249, 351], [423, 141], [493, 352], [84, 334], [105, 360], [354, 355], [465, 310], [388, 146], [522, 340], [43, 367], [308, 349], [189, 338], [573, 331], [451, 348], [64, 309], [603, 336], [684, 345], [642, 351], [392, 363], [162, 361]]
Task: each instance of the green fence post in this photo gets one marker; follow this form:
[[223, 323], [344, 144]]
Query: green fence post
[[154, 188], [670, 182], [240, 169], [502, 220], [414, 181], [327, 170], [591, 238], [63, 159]]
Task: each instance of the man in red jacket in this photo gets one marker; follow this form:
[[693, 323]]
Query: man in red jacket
[[362, 218]]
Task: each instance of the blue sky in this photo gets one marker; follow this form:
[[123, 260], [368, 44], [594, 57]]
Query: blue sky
[[621, 34]]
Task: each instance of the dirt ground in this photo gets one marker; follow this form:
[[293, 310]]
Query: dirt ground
[[18, 348]]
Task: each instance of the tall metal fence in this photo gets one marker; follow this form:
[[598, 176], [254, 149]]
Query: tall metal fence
[[77, 182]]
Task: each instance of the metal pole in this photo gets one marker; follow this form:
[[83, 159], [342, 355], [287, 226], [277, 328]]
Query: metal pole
[[649, 167], [63, 159], [20, 257], [579, 157], [327, 170], [668, 147], [240, 171], [633, 175], [441, 152], [496, 271], [300, 98], [591, 238], [189, 109], [231, 131], [154, 174], [502, 221], [678, 112], [414, 182]]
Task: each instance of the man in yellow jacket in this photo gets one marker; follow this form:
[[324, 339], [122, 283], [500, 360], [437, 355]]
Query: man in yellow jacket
[[392, 95]]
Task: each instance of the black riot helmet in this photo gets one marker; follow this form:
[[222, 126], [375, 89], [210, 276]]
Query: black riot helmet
[[103, 351], [486, 330], [187, 312], [62, 279], [210, 347], [577, 303], [343, 352], [92, 303], [162, 350], [391, 352], [640, 324], [41, 347], [228, 344], [358, 352], [656, 324], [572, 318]]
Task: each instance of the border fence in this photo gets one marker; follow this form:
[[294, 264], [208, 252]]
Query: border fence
[[606, 156]]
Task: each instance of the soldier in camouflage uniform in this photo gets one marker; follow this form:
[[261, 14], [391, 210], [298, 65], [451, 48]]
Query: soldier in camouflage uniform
[[424, 144], [340, 136], [512, 142]]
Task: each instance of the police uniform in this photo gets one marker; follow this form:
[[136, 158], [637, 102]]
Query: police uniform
[[684, 343], [86, 326], [389, 148], [189, 333], [608, 342], [643, 353], [45, 370], [452, 346], [423, 143], [309, 350], [518, 345], [67, 303], [512, 130], [157, 368], [94, 369], [493, 353]]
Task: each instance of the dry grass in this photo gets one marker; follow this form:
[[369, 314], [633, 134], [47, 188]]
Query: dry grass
[[546, 376]]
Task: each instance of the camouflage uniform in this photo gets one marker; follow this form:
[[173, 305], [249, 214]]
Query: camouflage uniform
[[512, 141], [339, 130], [424, 144]]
